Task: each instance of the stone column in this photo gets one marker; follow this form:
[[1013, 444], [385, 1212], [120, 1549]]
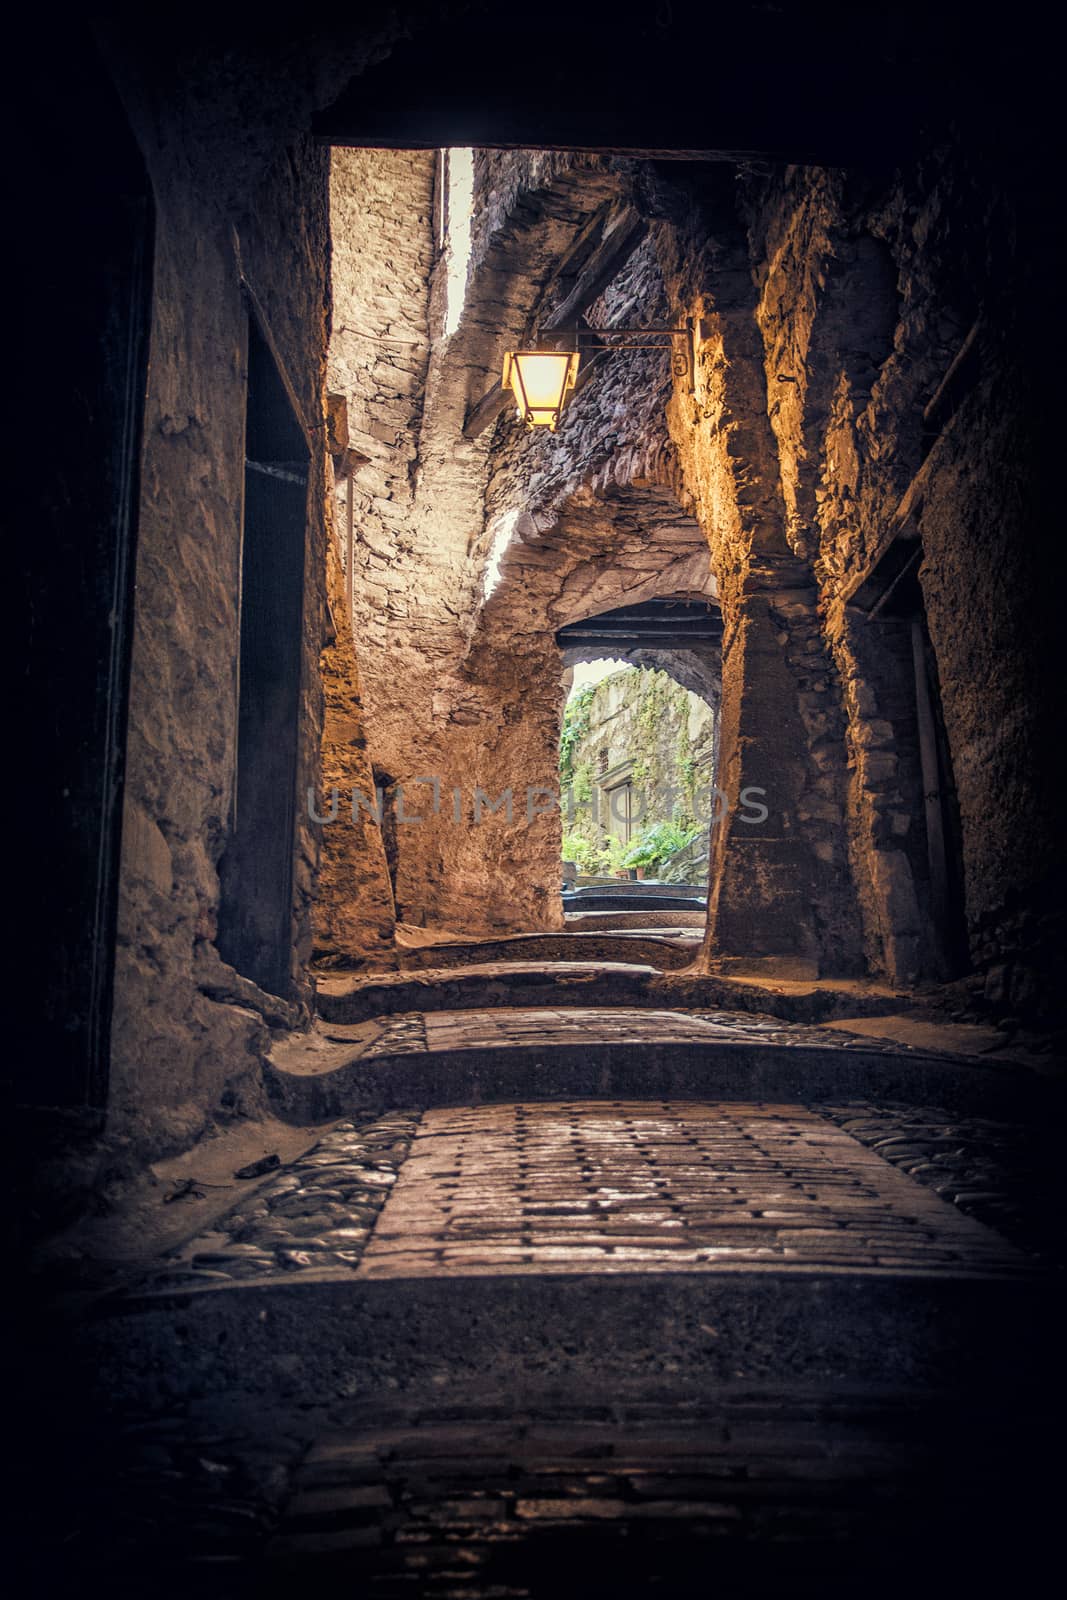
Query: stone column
[[764, 873]]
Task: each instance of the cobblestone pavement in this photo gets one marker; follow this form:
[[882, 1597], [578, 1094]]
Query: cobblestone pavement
[[767, 1494], [317, 1213], [774, 1030], [631, 1186], [1007, 1175], [546, 1186], [461, 1490], [400, 1036], [412, 1032]]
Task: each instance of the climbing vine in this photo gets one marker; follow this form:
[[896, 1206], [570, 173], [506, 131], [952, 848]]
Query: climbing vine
[[645, 719], [575, 725]]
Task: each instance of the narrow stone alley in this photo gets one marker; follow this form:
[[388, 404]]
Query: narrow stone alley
[[541, 578]]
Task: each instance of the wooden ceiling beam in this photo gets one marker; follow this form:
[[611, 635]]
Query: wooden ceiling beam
[[624, 231]]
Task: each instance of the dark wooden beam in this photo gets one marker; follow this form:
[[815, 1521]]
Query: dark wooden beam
[[622, 643], [961, 374], [652, 624], [621, 238], [489, 407], [574, 259], [622, 235]]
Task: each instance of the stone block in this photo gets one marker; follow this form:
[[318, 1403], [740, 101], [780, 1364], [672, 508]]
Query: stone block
[[146, 853], [874, 733], [894, 886], [862, 696], [877, 767], [903, 957], [336, 424]]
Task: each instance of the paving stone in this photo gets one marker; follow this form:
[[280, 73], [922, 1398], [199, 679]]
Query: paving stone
[[538, 1186], [859, 1474]]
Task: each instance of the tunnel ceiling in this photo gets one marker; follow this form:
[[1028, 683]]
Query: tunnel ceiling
[[480, 77]]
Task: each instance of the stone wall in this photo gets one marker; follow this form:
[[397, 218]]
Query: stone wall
[[868, 293], [473, 716], [782, 887], [242, 221], [831, 307], [381, 208], [843, 397]]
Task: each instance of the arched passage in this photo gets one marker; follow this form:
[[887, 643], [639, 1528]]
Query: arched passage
[[639, 742]]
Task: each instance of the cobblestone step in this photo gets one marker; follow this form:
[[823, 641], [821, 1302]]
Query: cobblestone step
[[317, 1212], [665, 923], [579, 1052], [630, 979], [663, 947], [576, 1348], [483, 986], [319, 1337], [542, 1239]]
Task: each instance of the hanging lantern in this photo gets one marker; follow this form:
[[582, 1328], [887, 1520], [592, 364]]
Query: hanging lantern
[[539, 380]]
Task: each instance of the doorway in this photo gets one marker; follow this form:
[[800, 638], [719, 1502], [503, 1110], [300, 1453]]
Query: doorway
[[255, 933]]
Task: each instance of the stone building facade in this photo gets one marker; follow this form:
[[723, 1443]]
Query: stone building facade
[[643, 753]]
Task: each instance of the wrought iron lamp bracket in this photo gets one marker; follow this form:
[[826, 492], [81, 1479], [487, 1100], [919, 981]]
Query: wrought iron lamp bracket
[[588, 339]]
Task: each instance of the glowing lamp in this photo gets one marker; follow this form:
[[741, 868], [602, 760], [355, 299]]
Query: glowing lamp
[[539, 380]]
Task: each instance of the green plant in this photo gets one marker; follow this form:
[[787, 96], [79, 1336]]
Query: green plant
[[655, 845], [582, 782], [612, 854], [575, 726], [593, 856], [580, 850]]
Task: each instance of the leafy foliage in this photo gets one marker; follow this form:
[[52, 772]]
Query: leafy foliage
[[593, 858], [575, 726], [654, 711], [654, 846], [583, 782], [580, 850]]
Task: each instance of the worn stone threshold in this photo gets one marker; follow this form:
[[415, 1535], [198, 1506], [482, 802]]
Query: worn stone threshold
[[691, 923], [469, 1058], [582, 1274], [354, 997], [666, 948], [311, 1337]]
